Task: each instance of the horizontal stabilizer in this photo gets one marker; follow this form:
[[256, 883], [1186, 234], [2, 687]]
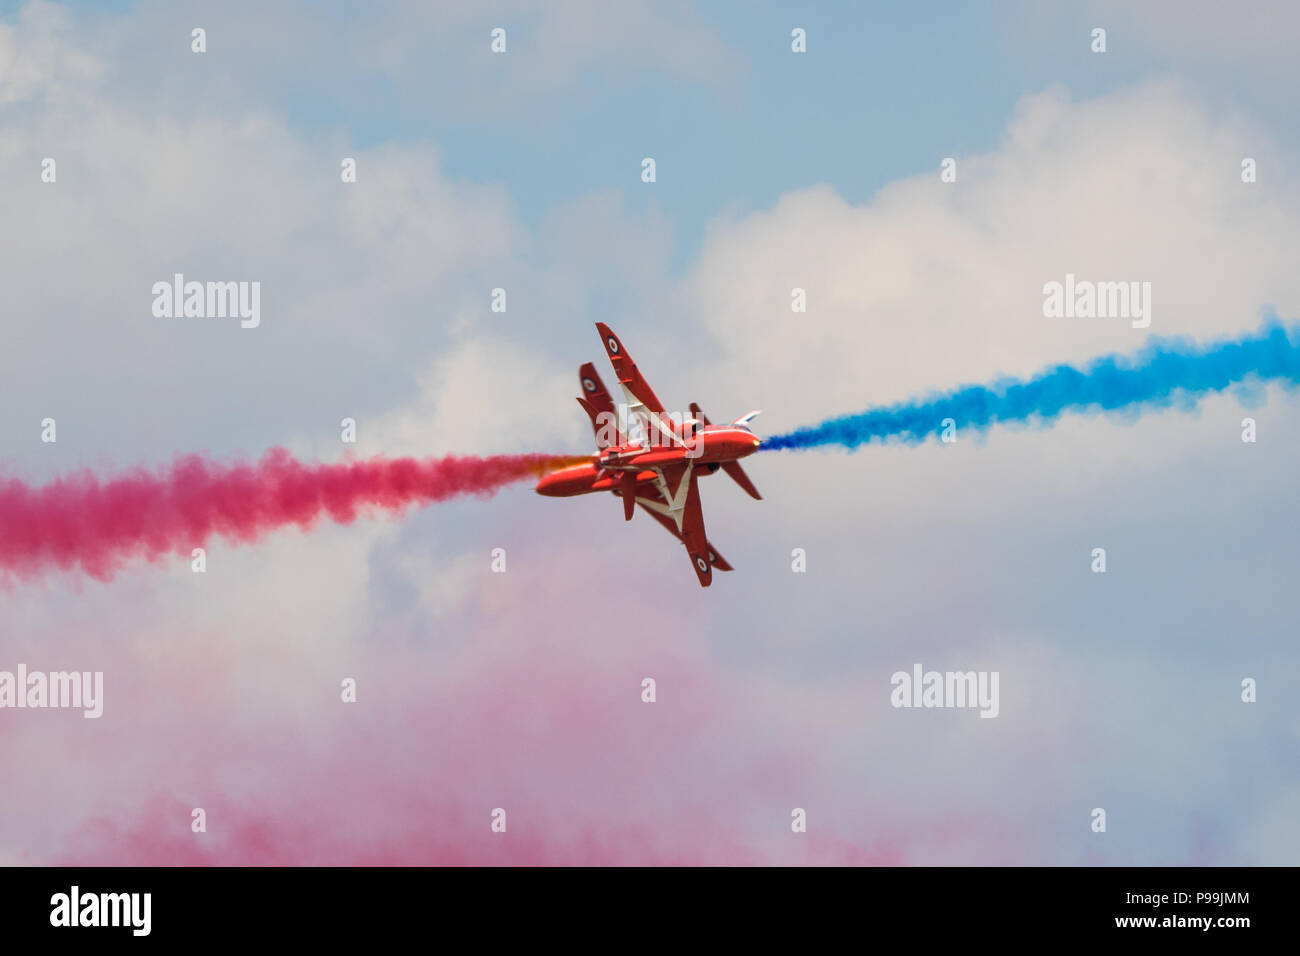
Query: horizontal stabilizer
[[738, 475], [732, 468]]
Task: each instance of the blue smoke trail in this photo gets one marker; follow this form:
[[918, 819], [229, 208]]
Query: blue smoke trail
[[1154, 377]]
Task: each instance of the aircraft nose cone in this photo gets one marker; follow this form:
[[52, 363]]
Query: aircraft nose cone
[[552, 485], [736, 446]]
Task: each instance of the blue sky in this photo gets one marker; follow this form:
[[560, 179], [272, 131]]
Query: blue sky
[[885, 91]]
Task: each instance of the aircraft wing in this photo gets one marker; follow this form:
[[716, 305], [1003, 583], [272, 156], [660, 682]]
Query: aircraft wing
[[715, 559], [599, 407], [676, 506], [637, 388], [641, 399]]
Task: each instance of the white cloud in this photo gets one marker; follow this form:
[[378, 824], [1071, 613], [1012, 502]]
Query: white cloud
[[35, 59], [377, 299], [490, 395], [933, 284]]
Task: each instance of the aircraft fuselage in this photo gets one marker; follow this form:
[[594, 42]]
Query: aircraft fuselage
[[656, 464], [711, 445]]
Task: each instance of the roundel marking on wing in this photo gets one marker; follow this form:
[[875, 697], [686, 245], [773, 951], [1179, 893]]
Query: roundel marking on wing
[[712, 556], [613, 344], [588, 384], [702, 565]]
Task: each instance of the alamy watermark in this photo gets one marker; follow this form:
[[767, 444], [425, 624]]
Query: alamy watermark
[[179, 299], [53, 689], [922, 688], [625, 427], [1085, 299], [75, 908]]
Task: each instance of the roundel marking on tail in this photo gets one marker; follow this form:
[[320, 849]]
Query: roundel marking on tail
[[588, 384], [613, 344], [702, 565]]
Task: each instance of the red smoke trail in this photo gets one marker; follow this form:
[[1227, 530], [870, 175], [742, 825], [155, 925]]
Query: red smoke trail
[[81, 521]]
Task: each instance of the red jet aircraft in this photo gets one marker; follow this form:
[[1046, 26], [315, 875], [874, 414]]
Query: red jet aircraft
[[659, 468]]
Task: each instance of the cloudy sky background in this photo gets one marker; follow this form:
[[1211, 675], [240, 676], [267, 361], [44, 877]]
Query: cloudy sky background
[[775, 170]]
